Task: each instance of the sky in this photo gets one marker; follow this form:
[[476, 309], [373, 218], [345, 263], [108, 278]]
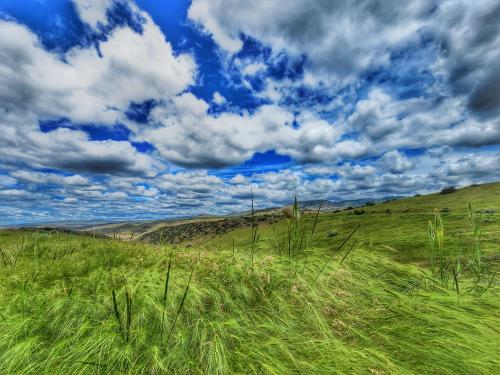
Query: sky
[[122, 109]]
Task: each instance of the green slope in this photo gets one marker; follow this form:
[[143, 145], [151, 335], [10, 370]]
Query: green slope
[[402, 224], [369, 308]]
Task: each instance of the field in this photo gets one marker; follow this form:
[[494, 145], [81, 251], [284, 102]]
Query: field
[[372, 290]]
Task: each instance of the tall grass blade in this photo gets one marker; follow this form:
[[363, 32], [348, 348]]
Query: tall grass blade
[[348, 251], [165, 292], [181, 305], [455, 278], [336, 250], [128, 300], [117, 314]]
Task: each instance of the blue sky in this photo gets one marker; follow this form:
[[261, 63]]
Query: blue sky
[[123, 109]]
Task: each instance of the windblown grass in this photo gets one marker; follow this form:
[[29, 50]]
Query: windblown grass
[[74, 304]]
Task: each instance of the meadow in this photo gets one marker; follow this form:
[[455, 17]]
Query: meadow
[[402, 287]]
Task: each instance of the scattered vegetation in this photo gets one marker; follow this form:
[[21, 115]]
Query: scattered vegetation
[[448, 190], [359, 211]]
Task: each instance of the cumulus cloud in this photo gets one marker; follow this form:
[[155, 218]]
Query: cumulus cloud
[[71, 150], [16, 194], [469, 34], [252, 68], [50, 178], [395, 162], [338, 37], [218, 98], [187, 135], [348, 38], [386, 123], [190, 181], [85, 85], [89, 85], [93, 12], [474, 167]]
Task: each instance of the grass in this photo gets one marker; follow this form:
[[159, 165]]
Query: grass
[[240, 304]]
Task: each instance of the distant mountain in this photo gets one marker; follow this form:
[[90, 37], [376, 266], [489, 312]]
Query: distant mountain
[[312, 205]]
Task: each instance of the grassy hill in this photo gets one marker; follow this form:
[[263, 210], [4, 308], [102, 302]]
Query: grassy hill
[[352, 292]]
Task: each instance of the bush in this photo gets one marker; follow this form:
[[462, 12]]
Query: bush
[[359, 212], [368, 204], [448, 190]]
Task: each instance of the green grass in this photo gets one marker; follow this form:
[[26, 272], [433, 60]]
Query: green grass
[[376, 308]]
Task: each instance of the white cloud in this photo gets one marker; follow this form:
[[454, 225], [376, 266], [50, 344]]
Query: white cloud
[[344, 39], [253, 68], [239, 179], [50, 178], [338, 37], [16, 194], [386, 123], [320, 170], [188, 181], [395, 162], [187, 135], [83, 85], [471, 43], [218, 98], [93, 12], [116, 195], [69, 150], [479, 166], [190, 137], [145, 192], [6, 180], [87, 87]]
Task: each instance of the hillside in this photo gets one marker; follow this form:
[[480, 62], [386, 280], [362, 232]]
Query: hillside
[[199, 229], [409, 216], [304, 295], [133, 230]]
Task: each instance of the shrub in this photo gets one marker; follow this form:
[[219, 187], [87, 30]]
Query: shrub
[[368, 204], [359, 212], [448, 190]]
